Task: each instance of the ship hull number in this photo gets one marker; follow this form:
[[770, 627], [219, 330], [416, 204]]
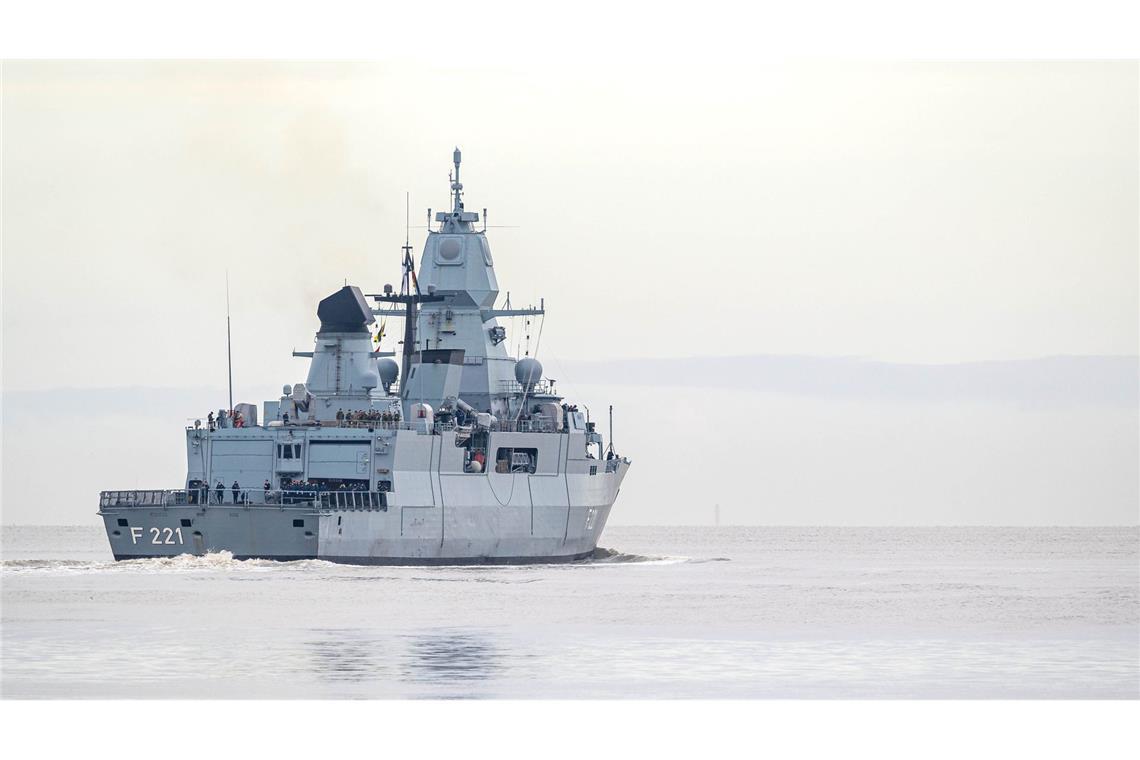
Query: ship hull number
[[159, 536]]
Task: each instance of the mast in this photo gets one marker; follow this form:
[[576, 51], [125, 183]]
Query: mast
[[408, 298], [611, 446], [456, 185], [229, 352], [406, 286]]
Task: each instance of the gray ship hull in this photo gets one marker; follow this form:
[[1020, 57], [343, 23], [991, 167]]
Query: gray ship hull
[[251, 532], [521, 530]]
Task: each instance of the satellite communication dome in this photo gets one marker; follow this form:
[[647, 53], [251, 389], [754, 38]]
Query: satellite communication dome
[[389, 370], [528, 371]]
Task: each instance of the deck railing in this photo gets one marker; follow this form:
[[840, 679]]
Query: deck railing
[[536, 424], [245, 497]]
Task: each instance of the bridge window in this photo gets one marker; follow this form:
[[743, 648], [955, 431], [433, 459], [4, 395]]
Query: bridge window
[[288, 451]]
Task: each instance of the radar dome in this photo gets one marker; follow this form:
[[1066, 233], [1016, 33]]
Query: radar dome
[[528, 371], [389, 370]]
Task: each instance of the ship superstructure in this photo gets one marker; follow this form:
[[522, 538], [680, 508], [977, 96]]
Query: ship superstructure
[[457, 453]]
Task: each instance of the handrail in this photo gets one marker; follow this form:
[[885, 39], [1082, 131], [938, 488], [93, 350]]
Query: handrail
[[542, 388], [371, 424], [245, 497], [536, 424]]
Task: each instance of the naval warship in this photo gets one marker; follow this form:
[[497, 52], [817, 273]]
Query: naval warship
[[460, 453]]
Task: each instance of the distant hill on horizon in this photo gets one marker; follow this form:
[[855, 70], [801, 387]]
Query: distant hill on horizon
[[1048, 381]]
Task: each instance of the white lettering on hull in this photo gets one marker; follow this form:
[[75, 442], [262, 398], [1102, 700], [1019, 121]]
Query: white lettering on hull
[[159, 536]]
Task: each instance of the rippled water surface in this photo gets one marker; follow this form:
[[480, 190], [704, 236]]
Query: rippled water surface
[[665, 612]]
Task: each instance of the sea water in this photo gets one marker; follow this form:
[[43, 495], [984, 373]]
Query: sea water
[[664, 612]]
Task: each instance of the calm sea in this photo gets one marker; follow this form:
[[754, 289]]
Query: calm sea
[[667, 612]]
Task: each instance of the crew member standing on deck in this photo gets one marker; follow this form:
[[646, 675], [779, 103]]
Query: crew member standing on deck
[[235, 488], [220, 491]]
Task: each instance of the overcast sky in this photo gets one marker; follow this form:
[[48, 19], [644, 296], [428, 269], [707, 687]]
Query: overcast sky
[[904, 213]]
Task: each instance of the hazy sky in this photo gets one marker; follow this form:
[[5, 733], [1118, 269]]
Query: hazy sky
[[909, 213]]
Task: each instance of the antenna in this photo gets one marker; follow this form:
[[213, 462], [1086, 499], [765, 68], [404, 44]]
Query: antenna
[[229, 351], [611, 447], [409, 281], [456, 185], [541, 324]]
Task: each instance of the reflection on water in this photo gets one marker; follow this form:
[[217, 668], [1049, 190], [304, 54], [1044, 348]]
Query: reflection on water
[[450, 657], [338, 656], [443, 658]]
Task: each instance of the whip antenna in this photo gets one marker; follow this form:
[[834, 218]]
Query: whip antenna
[[229, 350], [611, 447]]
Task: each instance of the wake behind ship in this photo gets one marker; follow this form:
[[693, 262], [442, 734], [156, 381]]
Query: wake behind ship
[[459, 453]]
